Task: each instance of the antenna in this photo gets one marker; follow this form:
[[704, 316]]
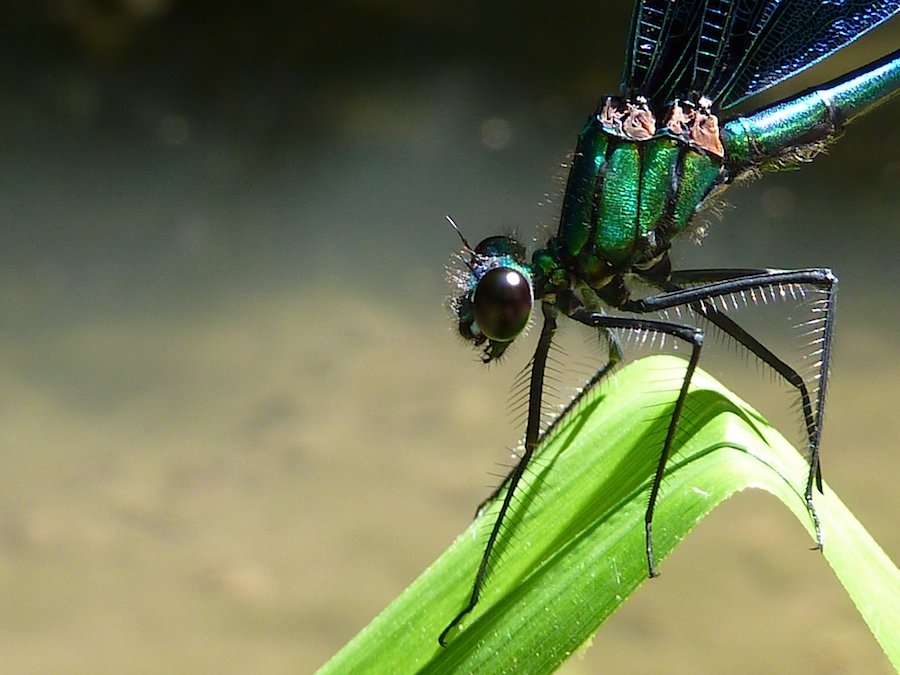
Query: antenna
[[461, 236]]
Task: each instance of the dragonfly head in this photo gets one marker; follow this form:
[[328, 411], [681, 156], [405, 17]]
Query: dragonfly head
[[495, 296]]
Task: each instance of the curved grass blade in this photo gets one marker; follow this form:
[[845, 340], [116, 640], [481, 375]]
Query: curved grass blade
[[576, 541]]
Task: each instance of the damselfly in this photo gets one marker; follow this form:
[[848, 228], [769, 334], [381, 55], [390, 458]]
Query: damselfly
[[647, 161]]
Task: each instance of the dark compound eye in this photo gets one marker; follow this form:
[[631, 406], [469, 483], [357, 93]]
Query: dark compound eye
[[503, 302]]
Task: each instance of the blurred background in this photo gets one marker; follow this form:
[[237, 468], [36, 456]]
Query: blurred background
[[236, 421]]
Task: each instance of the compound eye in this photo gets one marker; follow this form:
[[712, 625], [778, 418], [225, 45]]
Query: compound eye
[[503, 300]]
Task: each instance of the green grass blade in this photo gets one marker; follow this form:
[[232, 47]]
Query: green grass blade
[[574, 548]]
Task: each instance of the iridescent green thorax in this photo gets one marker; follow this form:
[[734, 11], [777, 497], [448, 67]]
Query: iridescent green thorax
[[631, 188]]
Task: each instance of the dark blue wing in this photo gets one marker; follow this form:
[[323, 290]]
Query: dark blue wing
[[729, 50], [659, 49], [794, 35]]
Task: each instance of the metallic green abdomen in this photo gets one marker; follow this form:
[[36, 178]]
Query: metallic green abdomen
[[626, 198]]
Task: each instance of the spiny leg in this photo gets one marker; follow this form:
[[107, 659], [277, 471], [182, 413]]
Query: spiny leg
[[532, 433], [718, 283], [694, 337]]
